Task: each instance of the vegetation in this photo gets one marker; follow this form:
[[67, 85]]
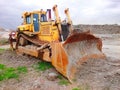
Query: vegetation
[[42, 66], [83, 87], [22, 69], [76, 88], [4, 41], [60, 76], [62, 81], [2, 50], [10, 72]]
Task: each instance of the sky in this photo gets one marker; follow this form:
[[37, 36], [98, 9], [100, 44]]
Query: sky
[[81, 11]]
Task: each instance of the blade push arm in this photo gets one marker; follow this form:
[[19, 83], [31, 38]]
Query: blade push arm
[[58, 21], [69, 21]]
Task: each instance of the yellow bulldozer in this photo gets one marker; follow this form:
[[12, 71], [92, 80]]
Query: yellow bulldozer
[[55, 41]]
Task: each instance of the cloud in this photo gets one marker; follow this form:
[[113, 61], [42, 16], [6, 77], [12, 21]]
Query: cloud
[[81, 11], [99, 12]]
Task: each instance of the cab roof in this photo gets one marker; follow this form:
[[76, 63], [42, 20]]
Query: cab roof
[[33, 12]]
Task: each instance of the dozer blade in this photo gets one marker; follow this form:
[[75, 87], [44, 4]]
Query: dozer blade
[[68, 56]]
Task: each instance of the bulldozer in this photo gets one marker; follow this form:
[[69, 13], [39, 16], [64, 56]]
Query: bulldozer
[[55, 41]]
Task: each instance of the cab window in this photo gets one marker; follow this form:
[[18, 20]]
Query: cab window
[[28, 20], [43, 18]]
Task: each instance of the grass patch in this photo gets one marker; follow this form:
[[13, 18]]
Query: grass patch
[[10, 72], [76, 88], [63, 82], [60, 76], [2, 66], [82, 87], [4, 41], [22, 69], [42, 66], [2, 50]]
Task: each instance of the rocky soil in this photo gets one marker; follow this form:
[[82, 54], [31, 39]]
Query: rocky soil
[[4, 33], [100, 29]]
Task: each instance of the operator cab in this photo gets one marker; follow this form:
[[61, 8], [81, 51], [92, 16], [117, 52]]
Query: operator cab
[[32, 20]]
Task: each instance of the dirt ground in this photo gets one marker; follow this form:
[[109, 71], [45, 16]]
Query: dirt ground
[[103, 74], [99, 74]]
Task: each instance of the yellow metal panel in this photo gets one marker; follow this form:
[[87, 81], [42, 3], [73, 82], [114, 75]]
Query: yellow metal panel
[[45, 30], [49, 33], [25, 27]]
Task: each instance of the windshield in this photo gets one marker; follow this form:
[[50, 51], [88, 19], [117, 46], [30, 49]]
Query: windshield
[[28, 20], [43, 18]]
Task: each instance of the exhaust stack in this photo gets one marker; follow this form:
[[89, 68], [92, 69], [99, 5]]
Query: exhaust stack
[[49, 14]]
